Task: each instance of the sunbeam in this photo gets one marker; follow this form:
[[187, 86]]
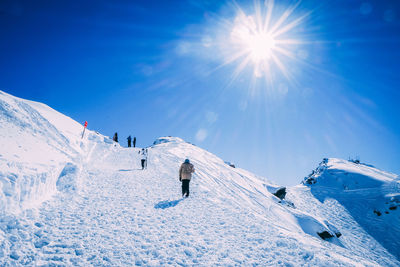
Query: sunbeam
[[260, 41]]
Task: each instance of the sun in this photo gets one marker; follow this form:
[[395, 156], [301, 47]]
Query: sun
[[261, 46], [262, 42], [257, 44]]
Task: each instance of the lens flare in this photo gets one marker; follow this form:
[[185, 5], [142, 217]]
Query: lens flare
[[261, 41]]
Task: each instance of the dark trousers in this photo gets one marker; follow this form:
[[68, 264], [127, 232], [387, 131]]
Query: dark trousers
[[129, 143], [143, 161], [185, 187]]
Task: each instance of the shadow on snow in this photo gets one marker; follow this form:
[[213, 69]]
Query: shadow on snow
[[167, 204], [361, 210]]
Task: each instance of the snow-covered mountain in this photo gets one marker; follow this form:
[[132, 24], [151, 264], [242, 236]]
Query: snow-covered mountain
[[371, 196], [86, 202]]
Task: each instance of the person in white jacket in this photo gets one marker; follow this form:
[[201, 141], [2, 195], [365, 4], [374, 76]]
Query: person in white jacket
[[143, 156]]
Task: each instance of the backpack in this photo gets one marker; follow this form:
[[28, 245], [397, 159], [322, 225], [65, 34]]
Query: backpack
[[187, 168]]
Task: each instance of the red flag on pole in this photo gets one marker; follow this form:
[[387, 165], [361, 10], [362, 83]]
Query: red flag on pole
[[84, 128]]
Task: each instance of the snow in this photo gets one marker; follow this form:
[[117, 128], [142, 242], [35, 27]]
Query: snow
[[354, 176], [368, 194], [167, 139], [37, 142], [68, 179], [67, 201]]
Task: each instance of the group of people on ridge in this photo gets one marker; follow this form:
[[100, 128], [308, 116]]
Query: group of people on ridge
[[130, 140], [115, 139]]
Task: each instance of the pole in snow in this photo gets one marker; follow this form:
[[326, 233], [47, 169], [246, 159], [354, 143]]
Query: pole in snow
[[84, 128]]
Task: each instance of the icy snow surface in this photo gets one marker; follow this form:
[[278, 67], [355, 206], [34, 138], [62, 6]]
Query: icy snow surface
[[67, 201]]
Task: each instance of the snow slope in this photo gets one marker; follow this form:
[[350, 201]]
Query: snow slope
[[36, 143], [106, 211], [369, 195]]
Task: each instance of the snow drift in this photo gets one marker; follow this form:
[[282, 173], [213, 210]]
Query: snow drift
[[37, 143]]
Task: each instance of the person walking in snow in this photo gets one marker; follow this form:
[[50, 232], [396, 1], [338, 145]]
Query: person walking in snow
[[115, 138], [143, 155], [134, 141], [129, 141], [147, 158], [185, 174]]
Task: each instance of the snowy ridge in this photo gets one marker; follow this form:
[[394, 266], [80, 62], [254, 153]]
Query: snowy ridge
[[67, 201], [371, 196]]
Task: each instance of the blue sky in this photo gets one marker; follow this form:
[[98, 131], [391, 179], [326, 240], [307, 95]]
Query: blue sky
[[156, 68]]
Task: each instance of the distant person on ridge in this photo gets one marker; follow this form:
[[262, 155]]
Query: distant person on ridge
[[134, 141], [129, 141], [185, 174], [143, 155], [115, 138]]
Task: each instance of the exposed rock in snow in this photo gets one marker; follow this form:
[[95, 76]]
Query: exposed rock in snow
[[333, 229], [377, 212], [280, 193], [230, 164], [325, 235]]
